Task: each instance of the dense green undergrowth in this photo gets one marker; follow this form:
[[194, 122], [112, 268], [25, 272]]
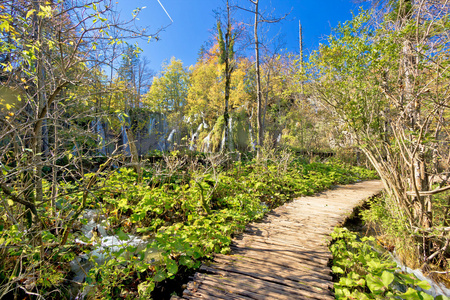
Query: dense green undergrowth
[[363, 273], [185, 215]]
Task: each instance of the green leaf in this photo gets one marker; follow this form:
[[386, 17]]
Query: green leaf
[[410, 294], [374, 283], [425, 296], [186, 261], [345, 281], [172, 267], [337, 270], [387, 278], [423, 285], [160, 275], [122, 235]]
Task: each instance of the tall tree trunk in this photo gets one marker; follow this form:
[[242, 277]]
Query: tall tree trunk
[[419, 175], [258, 85], [226, 53]]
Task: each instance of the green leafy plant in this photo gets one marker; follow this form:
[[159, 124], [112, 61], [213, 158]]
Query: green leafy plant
[[363, 273]]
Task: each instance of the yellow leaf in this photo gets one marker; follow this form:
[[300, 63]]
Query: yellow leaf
[[8, 106], [29, 13]]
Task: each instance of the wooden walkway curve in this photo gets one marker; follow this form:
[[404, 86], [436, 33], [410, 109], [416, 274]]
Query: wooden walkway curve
[[285, 255]]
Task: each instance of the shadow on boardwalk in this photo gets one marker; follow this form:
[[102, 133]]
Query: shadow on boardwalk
[[285, 255]]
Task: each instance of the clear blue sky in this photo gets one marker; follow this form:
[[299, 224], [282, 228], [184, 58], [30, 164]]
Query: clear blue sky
[[194, 20]]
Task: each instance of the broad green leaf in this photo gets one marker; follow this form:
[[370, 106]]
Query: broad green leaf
[[172, 267], [337, 270], [387, 278], [122, 235], [160, 275], [411, 294], [374, 283], [423, 285]]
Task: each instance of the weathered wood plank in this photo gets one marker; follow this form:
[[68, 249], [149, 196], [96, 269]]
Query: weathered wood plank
[[266, 289], [302, 287], [318, 277], [284, 278], [285, 262]]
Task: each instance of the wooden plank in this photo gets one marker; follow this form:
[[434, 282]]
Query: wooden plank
[[290, 232], [267, 247], [283, 262], [299, 237], [283, 278], [312, 261], [268, 267], [299, 243], [303, 287], [201, 291], [261, 289], [307, 257]]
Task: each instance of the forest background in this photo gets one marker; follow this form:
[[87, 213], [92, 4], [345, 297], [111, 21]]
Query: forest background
[[86, 125]]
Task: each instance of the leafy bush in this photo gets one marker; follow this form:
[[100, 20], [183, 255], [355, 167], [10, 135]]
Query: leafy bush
[[365, 274]]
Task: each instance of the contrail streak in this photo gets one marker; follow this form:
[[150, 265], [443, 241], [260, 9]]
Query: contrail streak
[[165, 10]]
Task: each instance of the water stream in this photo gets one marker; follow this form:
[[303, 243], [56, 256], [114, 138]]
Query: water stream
[[436, 289], [103, 244]]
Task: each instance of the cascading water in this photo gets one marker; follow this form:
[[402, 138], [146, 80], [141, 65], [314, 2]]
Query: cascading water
[[170, 138], [162, 143], [100, 131], [207, 143], [151, 125], [194, 137], [103, 245], [436, 287], [279, 138]]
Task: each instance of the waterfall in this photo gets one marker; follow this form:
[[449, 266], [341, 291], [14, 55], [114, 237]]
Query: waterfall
[[151, 126], [222, 144], [250, 132], [230, 134], [101, 133], [206, 143], [97, 127], [195, 137], [170, 138]]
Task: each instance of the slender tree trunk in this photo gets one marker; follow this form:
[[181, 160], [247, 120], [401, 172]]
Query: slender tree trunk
[[419, 175], [227, 57], [258, 85]]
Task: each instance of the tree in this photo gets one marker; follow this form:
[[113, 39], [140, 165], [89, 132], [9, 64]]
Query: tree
[[134, 72], [258, 18], [205, 102], [387, 84], [168, 93], [226, 57], [51, 66]]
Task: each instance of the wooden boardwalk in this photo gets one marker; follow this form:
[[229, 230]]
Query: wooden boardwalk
[[284, 256]]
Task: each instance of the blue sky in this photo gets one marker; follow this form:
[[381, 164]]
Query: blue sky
[[194, 21]]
